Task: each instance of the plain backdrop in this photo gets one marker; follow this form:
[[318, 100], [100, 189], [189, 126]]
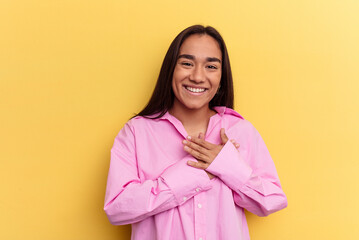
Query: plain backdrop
[[72, 72]]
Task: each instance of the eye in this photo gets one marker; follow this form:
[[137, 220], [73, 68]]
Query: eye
[[212, 67], [186, 64]]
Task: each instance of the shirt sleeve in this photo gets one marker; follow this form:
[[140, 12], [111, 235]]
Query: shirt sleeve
[[251, 174], [129, 200]]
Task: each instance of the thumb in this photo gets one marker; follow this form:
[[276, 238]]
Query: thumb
[[200, 135], [224, 137]]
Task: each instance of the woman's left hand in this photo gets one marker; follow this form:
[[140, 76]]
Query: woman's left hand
[[205, 152]]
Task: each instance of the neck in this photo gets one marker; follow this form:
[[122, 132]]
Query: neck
[[193, 120]]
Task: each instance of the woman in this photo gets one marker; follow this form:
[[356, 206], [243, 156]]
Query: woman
[[173, 172]]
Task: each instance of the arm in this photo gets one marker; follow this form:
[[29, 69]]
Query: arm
[[252, 175], [129, 200]]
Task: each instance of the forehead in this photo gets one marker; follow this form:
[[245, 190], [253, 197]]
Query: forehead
[[201, 46]]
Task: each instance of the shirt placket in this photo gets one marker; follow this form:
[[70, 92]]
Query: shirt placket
[[200, 206]]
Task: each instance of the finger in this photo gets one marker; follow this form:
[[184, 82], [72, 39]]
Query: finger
[[201, 135], [201, 142], [235, 143], [224, 137], [200, 165], [195, 146], [198, 155]]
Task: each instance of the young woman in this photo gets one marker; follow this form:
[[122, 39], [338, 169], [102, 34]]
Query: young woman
[[174, 173]]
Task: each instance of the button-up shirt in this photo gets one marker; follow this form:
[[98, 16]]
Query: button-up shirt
[[151, 186]]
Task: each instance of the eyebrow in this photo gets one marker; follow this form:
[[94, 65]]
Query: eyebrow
[[191, 57]]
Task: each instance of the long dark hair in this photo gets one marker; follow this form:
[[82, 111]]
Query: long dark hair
[[163, 97]]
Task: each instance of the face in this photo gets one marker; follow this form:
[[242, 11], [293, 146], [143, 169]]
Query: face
[[197, 73]]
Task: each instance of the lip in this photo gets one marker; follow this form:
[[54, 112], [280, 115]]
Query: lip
[[194, 93]]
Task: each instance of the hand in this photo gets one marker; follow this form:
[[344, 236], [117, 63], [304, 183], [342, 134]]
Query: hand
[[210, 175], [205, 152]]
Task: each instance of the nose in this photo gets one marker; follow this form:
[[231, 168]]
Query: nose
[[197, 75]]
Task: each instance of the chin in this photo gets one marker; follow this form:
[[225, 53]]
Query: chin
[[194, 106]]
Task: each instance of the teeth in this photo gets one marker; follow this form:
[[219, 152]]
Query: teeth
[[196, 90]]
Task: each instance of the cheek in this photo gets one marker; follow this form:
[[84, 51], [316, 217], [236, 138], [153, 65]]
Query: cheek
[[216, 80], [174, 79], [174, 87], [177, 79], [178, 74], [175, 84]]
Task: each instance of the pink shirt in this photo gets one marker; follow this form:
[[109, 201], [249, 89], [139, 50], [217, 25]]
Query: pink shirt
[[151, 186]]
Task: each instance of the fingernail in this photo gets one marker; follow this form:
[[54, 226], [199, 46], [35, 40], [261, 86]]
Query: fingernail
[[185, 142], [189, 137], [185, 148]]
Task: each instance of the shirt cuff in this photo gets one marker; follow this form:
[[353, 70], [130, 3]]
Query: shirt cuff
[[230, 167], [186, 181]]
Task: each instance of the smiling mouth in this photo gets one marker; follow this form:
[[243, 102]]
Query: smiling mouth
[[195, 90]]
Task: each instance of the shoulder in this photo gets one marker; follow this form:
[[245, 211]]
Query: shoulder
[[230, 116], [139, 123], [129, 129], [235, 122]]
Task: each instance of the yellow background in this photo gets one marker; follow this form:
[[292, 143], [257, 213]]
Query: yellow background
[[73, 72]]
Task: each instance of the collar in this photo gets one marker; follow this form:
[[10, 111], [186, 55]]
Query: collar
[[221, 110]]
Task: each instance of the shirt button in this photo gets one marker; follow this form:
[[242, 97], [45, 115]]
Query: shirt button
[[199, 205], [198, 189], [184, 198]]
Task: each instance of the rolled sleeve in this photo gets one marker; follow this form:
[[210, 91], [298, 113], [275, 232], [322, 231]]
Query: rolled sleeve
[[185, 181], [230, 167]]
